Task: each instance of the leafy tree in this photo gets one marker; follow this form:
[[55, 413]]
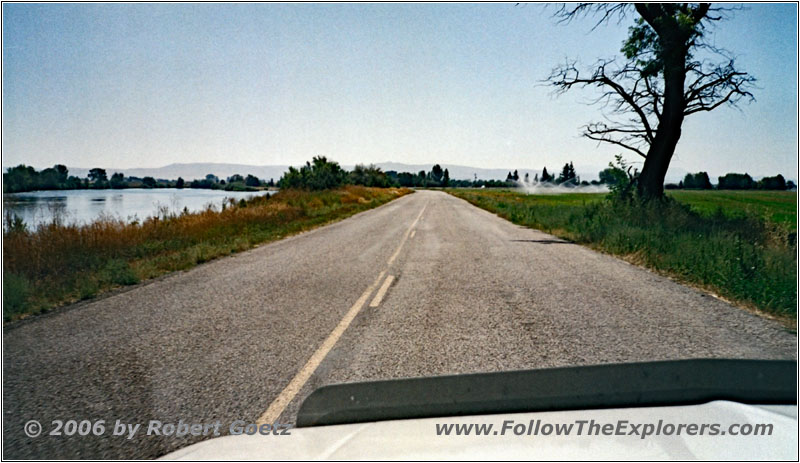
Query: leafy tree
[[393, 176], [252, 181], [446, 178], [733, 181], [204, 184], [20, 178], [369, 176], [319, 174], [48, 179], [180, 183], [235, 178], [437, 173], [772, 183], [52, 178], [117, 180], [73, 183], [98, 175], [661, 81], [698, 181], [406, 179], [98, 178], [62, 172], [515, 177], [421, 180], [608, 176], [149, 182]]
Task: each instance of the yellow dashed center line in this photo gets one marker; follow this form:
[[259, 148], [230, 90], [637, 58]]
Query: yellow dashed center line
[[382, 291], [290, 391]]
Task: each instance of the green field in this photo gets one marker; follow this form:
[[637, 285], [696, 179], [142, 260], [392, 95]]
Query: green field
[[738, 244], [775, 206]]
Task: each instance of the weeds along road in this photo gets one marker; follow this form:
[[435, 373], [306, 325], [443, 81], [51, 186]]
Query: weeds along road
[[424, 285]]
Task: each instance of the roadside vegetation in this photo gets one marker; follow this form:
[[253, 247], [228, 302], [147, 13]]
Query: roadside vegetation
[[741, 245], [60, 263]]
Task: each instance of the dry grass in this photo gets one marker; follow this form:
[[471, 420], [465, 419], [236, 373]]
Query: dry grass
[[61, 263]]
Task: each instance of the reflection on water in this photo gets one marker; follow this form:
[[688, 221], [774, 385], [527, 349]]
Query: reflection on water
[[83, 206]]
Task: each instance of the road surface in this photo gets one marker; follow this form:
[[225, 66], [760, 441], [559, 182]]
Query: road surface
[[425, 285]]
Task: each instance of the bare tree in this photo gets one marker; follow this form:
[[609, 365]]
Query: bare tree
[[669, 72]]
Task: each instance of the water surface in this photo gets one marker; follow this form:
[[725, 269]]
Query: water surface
[[84, 206]]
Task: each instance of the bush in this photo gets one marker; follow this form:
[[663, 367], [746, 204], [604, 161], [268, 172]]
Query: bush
[[369, 176], [319, 174], [16, 291], [620, 178]]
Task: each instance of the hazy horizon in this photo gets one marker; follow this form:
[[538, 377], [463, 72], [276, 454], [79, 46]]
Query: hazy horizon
[[148, 85]]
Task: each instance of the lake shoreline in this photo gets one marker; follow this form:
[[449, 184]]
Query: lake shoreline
[[60, 264], [82, 206]]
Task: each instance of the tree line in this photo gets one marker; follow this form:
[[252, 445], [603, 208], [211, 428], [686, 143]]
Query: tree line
[[321, 173], [731, 181], [25, 178]]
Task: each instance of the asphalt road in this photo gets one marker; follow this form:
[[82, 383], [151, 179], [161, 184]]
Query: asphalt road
[[249, 336]]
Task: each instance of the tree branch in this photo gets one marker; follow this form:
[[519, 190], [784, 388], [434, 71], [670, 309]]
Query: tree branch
[[563, 78], [616, 142]]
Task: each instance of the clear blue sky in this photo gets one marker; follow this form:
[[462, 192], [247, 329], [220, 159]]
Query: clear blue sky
[[145, 85]]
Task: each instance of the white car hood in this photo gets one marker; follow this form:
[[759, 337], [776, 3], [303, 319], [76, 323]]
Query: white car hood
[[417, 439]]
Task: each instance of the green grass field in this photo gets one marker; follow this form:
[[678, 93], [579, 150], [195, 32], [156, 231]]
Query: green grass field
[[738, 244], [775, 206]]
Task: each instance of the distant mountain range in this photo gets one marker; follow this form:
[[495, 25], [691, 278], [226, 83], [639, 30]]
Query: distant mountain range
[[191, 171]]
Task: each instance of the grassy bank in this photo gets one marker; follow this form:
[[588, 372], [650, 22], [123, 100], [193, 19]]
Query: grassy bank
[[59, 263], [743, 257]]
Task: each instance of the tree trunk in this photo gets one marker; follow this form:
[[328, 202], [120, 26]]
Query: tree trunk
[[651, 180]]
